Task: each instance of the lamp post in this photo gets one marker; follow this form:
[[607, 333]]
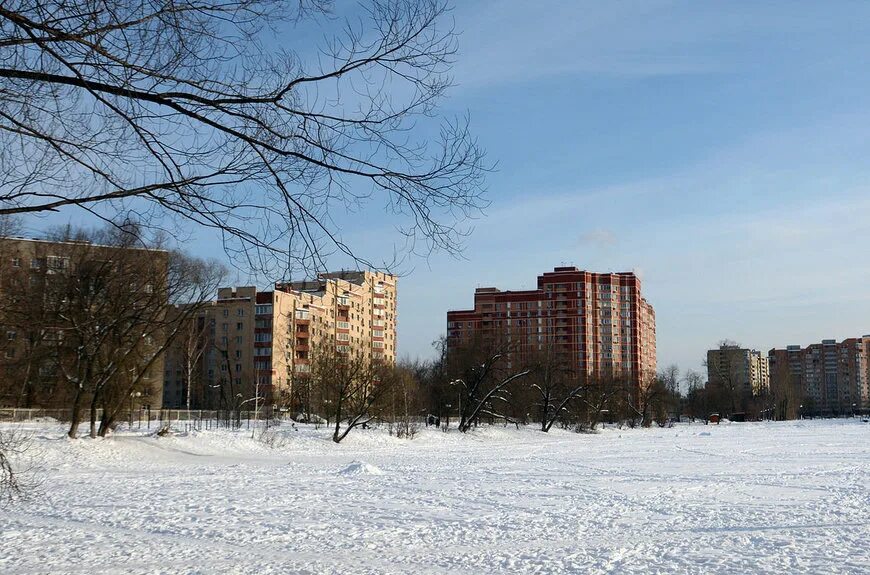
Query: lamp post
[[459, 397], [132, 395], [800, 411]]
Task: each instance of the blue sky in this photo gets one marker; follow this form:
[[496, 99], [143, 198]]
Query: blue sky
[[717, 148]]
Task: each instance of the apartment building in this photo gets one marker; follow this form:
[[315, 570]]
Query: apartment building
[[598, 320], [745, 373], [64, 304], [829, 378], [260, 343]]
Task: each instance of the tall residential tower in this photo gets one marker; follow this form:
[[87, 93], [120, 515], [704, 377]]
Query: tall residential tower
[[598, 320]]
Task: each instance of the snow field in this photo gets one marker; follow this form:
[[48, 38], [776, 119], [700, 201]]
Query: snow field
[[742, 498]]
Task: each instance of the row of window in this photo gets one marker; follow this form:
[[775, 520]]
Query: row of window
[[50, 262]]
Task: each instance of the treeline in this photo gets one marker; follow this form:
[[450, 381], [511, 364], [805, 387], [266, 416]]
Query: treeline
[[484, 381]]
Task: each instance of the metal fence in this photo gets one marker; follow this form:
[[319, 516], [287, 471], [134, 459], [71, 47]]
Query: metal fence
[[147, 418]]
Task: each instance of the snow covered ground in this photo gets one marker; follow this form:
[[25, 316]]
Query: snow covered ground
[[742, 498]]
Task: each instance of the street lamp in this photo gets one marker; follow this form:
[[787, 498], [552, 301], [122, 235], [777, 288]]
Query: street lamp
[[132, 395], [800, 411], [459, 395]]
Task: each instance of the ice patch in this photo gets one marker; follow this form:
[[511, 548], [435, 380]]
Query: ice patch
[[360, 468]]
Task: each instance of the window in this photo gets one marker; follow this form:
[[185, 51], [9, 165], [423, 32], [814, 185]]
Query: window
[[16, 262], [238, 367], [262, 337], [226, 312], [240, 326], [37, 263], [240, 312], [10, 352], [263, 310], [11, 335], [239, 339], [238, 354], [224, 340]]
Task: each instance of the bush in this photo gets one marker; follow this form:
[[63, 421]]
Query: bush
[[17, 472]]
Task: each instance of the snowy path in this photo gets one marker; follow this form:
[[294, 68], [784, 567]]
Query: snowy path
[[744, 498]]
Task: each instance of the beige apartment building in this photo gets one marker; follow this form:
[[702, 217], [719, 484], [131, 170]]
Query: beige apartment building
[[54, 298], [743, 373], [260, 343]]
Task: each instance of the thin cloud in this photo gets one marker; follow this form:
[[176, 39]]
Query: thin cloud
[[602, 238]]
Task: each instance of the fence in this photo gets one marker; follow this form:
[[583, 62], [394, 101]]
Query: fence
[[148, 418]]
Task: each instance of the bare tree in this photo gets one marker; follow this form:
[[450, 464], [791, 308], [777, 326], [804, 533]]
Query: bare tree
[[555, 380], [642, 402], [191, 344], [484, 373], [204, 112], [696, 394], [184, 280], [726, 380], [98, 317], [785, 394], [350, 385], [17, 479], [402, 406], [602, 397]]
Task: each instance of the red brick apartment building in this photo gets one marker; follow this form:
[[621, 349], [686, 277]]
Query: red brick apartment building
[[599, 320], [829, 378]]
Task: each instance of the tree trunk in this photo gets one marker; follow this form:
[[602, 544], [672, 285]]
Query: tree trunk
[[94, 415], [76, 415], [106, 422], [336, 435], [545, 408]]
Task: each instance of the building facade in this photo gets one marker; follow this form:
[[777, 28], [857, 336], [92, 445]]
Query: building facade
[[260, 343], [598, 320], [829, 378], [739, 373], [69, 304]]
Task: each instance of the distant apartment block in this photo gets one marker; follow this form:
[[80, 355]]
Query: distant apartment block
[[829, 378], [599, 320], [260, 342], [743, 372]]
